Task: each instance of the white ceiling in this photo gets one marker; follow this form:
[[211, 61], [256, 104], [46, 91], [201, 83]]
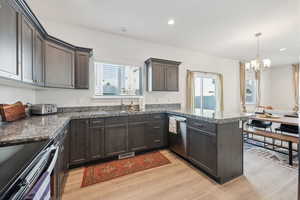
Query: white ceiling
[[218, 27]]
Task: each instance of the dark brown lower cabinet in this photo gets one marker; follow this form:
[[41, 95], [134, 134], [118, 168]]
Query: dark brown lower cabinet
[[79, 141], [61, 166], [66, 146], [96, 143], [216, 148], [203, 149], [115, 139], [137, 136], [93, 139], [155, 134]]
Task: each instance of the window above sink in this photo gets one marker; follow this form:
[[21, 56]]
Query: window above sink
[[117, 81]]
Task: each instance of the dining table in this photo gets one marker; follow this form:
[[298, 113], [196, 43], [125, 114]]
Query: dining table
[[294, 121], [278, 119]]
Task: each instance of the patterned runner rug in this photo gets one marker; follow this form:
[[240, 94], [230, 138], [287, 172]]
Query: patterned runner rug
[[278, 158], [110, 170]]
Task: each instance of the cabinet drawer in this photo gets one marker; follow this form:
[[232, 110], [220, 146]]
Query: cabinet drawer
[[157, 116], [138, 118], [156, 125], [116, 120], [157, 142], [202, 125], [96, 123]]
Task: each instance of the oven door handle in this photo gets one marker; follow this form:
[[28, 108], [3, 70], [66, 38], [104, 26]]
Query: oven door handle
[[54, 158]]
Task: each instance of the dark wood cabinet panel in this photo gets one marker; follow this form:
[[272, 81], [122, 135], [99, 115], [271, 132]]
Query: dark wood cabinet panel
[[78, 141], [9, 37], [38, 67], [28, 33], [155, 134], [137, 136], [115, 139], [229, 151], [59, 66], [158, 79], [202, 149], [172, 81], [60, 169], [203, 126], [29, 54], [82, 70], [162, 75], [96, 143]]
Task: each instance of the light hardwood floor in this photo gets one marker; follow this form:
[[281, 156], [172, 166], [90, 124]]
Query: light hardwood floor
[[263, 180]]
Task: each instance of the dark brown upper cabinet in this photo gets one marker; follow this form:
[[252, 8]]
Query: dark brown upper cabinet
[[162, 75], [38, 66], [29, 54], [59, 66], [171, 77], [9, 37], [82, 61], [27, 35]]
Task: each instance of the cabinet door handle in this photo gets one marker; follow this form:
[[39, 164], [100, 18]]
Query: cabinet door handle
[[156, 141]]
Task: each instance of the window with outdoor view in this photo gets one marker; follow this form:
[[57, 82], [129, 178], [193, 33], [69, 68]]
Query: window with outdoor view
[[117, 80]]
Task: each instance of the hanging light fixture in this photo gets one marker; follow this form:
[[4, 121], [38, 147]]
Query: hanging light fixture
[[258, 64]]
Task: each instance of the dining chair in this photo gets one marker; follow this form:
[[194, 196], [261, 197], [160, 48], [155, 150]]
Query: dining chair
[[260, 124]]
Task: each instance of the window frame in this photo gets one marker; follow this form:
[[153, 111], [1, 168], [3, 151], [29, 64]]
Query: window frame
[[98, 86], [217, 92], [255, 92]]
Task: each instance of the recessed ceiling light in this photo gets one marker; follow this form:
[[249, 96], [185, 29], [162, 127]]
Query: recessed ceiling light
[[282, 49], [171, 22]]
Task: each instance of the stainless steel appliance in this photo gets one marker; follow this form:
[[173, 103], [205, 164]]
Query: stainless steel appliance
[[21, 167], [43, 109], [178, 140]]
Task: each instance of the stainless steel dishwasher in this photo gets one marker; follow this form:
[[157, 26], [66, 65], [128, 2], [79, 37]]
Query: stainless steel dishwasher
[[178, 139]]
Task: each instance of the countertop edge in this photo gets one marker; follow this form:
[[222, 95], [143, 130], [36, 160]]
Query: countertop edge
[[67, 117]]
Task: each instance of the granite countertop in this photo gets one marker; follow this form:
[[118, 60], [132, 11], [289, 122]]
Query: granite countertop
[[213, 117], [37, 128]]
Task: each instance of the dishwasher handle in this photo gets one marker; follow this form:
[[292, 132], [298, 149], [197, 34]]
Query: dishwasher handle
[[177, 118]]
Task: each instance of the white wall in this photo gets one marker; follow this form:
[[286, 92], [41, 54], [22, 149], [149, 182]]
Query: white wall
[[123, 50], [9, 95], [282, 88], [277, 88]]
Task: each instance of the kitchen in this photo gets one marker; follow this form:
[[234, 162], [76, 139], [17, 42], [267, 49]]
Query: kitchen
[[67, 72]]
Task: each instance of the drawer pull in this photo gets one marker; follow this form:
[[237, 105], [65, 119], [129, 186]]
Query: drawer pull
[[156, 141], [199, 125], [156, 127], [97, 122]]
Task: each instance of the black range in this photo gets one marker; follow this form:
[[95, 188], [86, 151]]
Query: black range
[[14, 161]]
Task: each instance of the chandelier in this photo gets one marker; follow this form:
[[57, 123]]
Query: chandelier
[[258, 64]]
